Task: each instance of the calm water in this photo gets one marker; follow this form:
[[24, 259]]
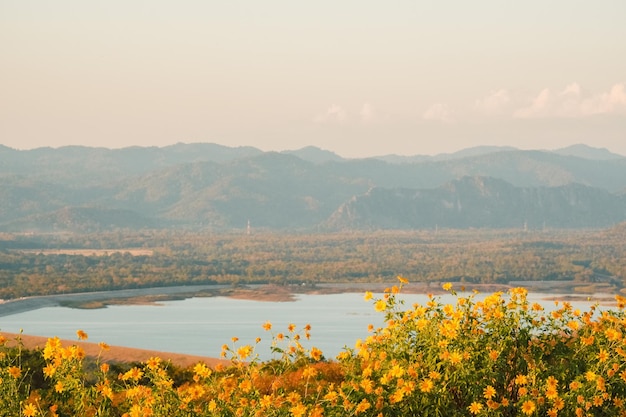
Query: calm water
[[200, 326]]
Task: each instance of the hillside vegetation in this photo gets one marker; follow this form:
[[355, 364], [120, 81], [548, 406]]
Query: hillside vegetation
[[216, 188]]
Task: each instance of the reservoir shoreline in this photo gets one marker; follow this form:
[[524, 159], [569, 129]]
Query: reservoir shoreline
[[257, 292]]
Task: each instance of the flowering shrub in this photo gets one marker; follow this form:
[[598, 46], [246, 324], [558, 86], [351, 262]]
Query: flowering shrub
[[495, 356]]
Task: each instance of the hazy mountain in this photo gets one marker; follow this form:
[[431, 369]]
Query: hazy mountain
[[315, 155], [212, 186], [81, 220], [480, 202], [271, 190], [587, 152], [464, 153], [81, 165]]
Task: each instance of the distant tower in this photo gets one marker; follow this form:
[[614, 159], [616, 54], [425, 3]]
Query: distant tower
[[248, 229]]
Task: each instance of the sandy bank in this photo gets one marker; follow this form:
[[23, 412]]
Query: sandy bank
[[117, 353]]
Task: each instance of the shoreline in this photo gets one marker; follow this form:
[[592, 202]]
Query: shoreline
[[115, 354], [261, 293], [256, 292]]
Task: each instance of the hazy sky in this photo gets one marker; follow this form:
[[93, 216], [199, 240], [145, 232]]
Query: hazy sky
[[360, 78]]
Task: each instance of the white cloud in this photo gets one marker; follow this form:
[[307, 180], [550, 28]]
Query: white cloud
[[438, 112], [367, 112], [572, 89], [572, 101], [613, 101], [334, 114], [497, 102]]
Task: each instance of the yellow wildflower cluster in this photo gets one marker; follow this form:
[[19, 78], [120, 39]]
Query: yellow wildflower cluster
[[494, 356]]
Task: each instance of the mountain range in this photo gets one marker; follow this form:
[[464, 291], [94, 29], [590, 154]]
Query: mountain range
[[208, 186]]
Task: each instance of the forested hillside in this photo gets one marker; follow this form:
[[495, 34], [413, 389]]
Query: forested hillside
[[212, 187]]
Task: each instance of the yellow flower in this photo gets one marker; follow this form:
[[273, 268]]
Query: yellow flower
[[15, 372], [49, 370], [426, 385], [552, 381], [603, 355], [434, 375], [29, 410], [291, 327], [362, 407], [528, 407], [380, 305], [613, 334], [267, 326], [368, 295], [475, 408], [153, 362], [298, 410], [559, 403], [588, 341], [202, 370], [266, 401], [551, 393], [456, 358], [403, 280], [134, 373], [396, 371], [421, 323], [245, 385], [521, 379], [105, 390], [59, 387], [331, 396], [81, 335], [493, 355], [489, 392], [244, 351], [447, 286], [316, 353], [212, 406]]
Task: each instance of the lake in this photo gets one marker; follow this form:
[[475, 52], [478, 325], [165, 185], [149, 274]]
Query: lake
[[200, 326]]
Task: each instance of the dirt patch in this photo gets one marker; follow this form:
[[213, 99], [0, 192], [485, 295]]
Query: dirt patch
[[117, 354], [269, 293], [138, 300]]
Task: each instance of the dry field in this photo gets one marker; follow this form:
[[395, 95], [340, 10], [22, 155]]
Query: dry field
[[90, 252]]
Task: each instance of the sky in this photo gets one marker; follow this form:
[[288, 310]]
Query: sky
[[359, 78]]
